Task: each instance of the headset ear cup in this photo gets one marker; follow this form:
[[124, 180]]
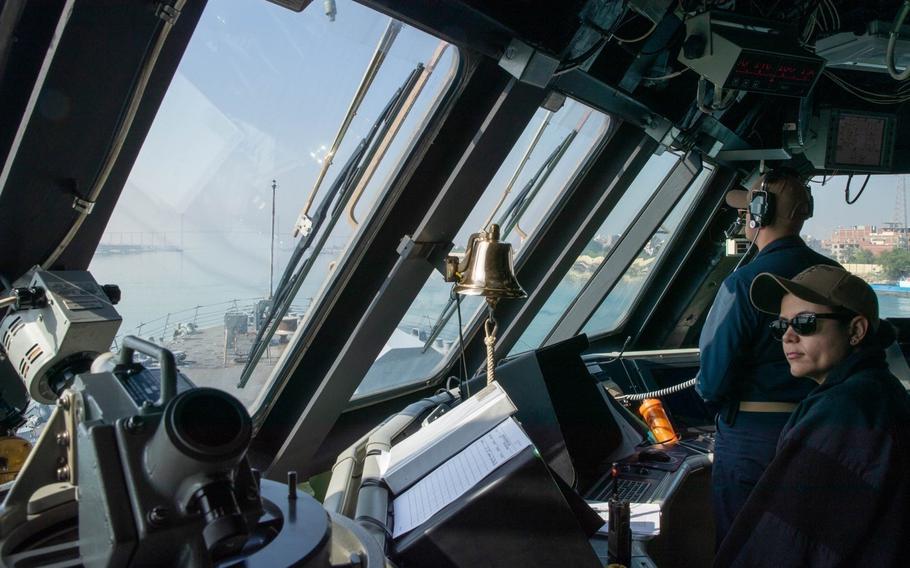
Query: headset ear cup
[[761, 209], [803, 209]]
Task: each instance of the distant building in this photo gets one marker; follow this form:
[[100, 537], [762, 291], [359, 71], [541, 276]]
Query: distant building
[[814, 244], [845, 240]]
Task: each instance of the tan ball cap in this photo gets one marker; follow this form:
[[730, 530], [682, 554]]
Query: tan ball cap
[[820, 284]]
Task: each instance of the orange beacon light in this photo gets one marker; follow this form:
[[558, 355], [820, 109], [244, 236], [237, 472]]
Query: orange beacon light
[[662, 430]]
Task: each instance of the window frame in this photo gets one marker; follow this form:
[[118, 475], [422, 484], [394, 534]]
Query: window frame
[[661, 260], [473, 322], [598, 189], [615, 265], [702, 220], [455, 156]]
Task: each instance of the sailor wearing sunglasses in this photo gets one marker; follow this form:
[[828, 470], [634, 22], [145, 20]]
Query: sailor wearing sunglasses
[[744, 375], [837, 492]]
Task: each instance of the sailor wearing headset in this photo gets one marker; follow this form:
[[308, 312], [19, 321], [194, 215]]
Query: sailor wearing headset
[[744, 373]]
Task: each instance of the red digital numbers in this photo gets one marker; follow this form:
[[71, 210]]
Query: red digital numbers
[[766, 72]]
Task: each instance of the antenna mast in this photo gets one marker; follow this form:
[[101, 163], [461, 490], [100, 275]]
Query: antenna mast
[[900, 213]]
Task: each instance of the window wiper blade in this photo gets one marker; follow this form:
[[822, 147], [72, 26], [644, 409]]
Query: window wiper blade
[[524, 160], [289, 283], [555, 158], [378, 137], [298, 268], [340, 191], [543, 175], [420, 78], [335, 195]]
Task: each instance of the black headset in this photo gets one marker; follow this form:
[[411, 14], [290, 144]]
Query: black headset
[[763, 203], [762, 206]]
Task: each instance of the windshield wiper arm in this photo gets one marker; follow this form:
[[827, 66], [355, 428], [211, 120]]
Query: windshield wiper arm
[[379, 138], [543, 175], [304, 223], [295, 272], [555, 158]]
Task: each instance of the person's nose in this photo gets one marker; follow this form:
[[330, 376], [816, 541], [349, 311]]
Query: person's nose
[[790, 336]]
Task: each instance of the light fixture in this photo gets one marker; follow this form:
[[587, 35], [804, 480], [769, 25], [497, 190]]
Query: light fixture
[[486, 270]]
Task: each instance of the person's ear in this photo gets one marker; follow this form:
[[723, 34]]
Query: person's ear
[[859, 327]]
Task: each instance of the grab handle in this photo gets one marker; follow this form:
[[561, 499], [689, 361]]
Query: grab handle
[[166, 361]]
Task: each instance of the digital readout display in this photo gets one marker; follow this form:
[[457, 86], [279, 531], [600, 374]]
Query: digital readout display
[[775, 74]]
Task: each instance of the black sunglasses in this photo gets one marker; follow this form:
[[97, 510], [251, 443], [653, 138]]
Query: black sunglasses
[[803, 324]]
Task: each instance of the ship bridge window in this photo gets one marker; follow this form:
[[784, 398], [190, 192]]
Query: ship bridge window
[[542, 163], [618, 303], [870, 237], [203, 234], [645, 185]]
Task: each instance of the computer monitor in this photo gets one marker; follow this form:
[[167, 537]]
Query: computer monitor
[[860, 141], [564, 410]]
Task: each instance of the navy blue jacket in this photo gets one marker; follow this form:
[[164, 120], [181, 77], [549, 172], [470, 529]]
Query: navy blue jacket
[[838, 490], [739, 358]]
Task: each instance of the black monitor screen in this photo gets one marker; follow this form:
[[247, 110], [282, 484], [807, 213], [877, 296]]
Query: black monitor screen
[[860, 141], [563, 410]]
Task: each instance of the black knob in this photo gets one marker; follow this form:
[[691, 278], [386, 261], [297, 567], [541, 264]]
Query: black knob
[[292, 485], [694, 46], [225, 530], [112, 291]]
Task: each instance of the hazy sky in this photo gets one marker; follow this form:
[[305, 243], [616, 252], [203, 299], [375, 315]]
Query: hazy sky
[[876, 206]]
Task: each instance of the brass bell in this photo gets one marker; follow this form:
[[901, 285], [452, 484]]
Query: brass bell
[[487, 269]]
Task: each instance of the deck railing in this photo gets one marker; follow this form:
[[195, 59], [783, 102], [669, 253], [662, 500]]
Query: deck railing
[[172, 324]]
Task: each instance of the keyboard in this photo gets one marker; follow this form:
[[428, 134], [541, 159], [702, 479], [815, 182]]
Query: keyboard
[[629, 490]]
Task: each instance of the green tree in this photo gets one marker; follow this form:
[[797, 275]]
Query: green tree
[[860, 256], [895, 263]]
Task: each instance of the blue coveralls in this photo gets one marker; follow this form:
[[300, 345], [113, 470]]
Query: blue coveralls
[[838, 490], [740, 361]]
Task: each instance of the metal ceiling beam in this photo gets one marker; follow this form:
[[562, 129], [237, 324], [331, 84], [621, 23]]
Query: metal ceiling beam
[[452, 20], [26, 34], [621, 256], [41, 75], [580, 85], [709, 134], [377, 284]]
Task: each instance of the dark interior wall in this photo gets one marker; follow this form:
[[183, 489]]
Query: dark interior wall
[[74, 122], [26, 30]]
